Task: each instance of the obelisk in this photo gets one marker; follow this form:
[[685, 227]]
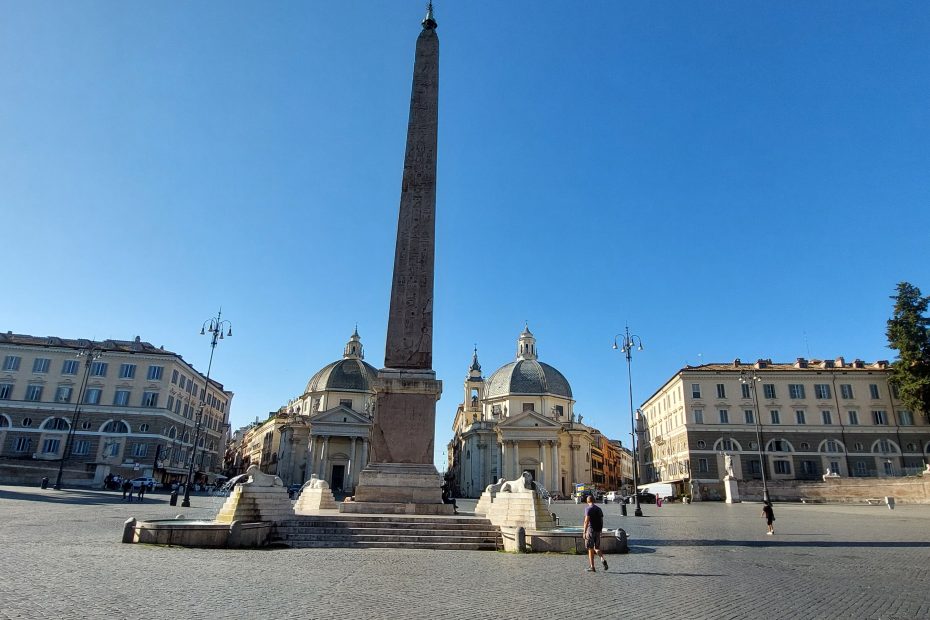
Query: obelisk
[[401, 476]]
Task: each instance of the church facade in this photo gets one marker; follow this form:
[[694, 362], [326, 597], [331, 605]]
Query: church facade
[[521, 418]]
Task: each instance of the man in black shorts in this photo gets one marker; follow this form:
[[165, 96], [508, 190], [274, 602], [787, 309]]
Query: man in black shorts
[[593, 524]]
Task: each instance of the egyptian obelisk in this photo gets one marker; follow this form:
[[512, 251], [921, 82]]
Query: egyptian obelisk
[[401, 476]]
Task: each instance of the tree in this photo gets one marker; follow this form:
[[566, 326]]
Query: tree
[[909, 334]]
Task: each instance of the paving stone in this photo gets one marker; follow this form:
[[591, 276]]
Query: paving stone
[[62, 558]]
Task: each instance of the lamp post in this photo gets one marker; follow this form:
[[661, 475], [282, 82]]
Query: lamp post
[[751, 379], [215, 327], [90, 354], [625, 346]]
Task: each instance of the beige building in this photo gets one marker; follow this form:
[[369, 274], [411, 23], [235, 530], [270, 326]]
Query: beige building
[[521, 418], [125, 407], [807, 419]]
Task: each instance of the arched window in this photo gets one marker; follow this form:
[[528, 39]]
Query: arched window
[[885, 446], [4, 422], [830, 446], [172, 432], [727, 444], [115, 426], [779, 445], [56, 424]]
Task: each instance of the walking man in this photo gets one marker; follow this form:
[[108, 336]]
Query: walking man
[[769, 515], [593, 524], [141, 492]]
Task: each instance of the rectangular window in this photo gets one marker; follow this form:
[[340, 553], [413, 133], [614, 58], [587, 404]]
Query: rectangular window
[[768, 389], [140, 450], [529, 407], [170, 404], [346, 402], [860, 468], [745, 389], [782, 467], [81, 447], [150, 399], [121, 398], [846, 391], [894, 390], [755, 467], [34, 392], [69, 367], [750, 416], [63, 394], [799, 416], [695, 390], [776, 417], [127, 371], [721, 390], [835, 466], [698, 416], [702, 465], [11, 362], [177, 406], [827, 417], [905, 418], [22, 444], [92, 396], [796, 391], [822, 390], [155, 373], [873, 391], [809, 467], [174, 377], [880, 418], [50, 446], [41, 364], [853, 418], [724, 416], [6, 391], [98, 369]]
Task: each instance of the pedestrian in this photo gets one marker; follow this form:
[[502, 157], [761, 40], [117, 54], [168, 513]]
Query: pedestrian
[[769, 515], [141, 493], [592, 526], [127, 490]]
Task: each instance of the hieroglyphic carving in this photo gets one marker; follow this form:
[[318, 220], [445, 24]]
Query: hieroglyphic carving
[[410, 322]]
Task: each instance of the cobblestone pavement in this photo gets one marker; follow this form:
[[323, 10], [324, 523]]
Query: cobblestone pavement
[[61, 558]]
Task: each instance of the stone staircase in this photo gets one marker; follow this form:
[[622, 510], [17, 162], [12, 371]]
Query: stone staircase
[[388, 532]]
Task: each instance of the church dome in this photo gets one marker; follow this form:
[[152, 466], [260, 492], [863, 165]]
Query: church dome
[[350, 374], [527, 375]]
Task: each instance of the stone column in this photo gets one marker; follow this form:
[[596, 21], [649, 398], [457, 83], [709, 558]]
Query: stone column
[[554, 468], [324, 454], [364, 457], [543, 469], [482, 466], [516, 460], [503, 473], [311, 453], [350, 475]]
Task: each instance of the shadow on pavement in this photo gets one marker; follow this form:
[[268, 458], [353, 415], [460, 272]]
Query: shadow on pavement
[[772, 542], [624, 573], [72, 497]]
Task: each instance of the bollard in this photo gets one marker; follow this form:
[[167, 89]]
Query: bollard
[[521, 540], [173, 498], [890, 502], [45, 482], [129, 529], [623, 509]]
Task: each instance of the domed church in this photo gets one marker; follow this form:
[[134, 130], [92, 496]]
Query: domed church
[[331, 422], [521, 418]]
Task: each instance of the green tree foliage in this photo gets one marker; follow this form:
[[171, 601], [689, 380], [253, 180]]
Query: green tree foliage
[[909, 334]]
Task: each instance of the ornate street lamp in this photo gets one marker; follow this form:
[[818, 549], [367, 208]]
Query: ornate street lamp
[[624, 343], [215, 327], [751, 379], [90, 354]]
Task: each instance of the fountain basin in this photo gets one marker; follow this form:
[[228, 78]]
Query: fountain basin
[[198, 533], [567, 540]]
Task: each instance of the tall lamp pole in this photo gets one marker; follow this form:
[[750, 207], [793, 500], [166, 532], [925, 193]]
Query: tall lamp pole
[[215, 327], [624, 343], [90, 354], [751, 379]]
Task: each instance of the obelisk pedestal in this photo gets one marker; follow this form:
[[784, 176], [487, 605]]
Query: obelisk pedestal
[[400, 476]]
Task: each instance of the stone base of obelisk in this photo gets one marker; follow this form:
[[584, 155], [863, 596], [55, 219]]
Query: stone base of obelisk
[[398, 488]]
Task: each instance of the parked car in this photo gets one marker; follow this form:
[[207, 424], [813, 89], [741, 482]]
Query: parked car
[[149, 483], [612, 496]]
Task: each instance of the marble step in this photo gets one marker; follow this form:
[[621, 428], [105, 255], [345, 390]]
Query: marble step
[[338, 544]]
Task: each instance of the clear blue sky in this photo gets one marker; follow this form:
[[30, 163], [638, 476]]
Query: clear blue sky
[[733, 179]]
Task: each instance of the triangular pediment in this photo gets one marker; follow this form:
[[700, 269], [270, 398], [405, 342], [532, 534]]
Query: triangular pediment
[[339, 415], [528, 419]]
